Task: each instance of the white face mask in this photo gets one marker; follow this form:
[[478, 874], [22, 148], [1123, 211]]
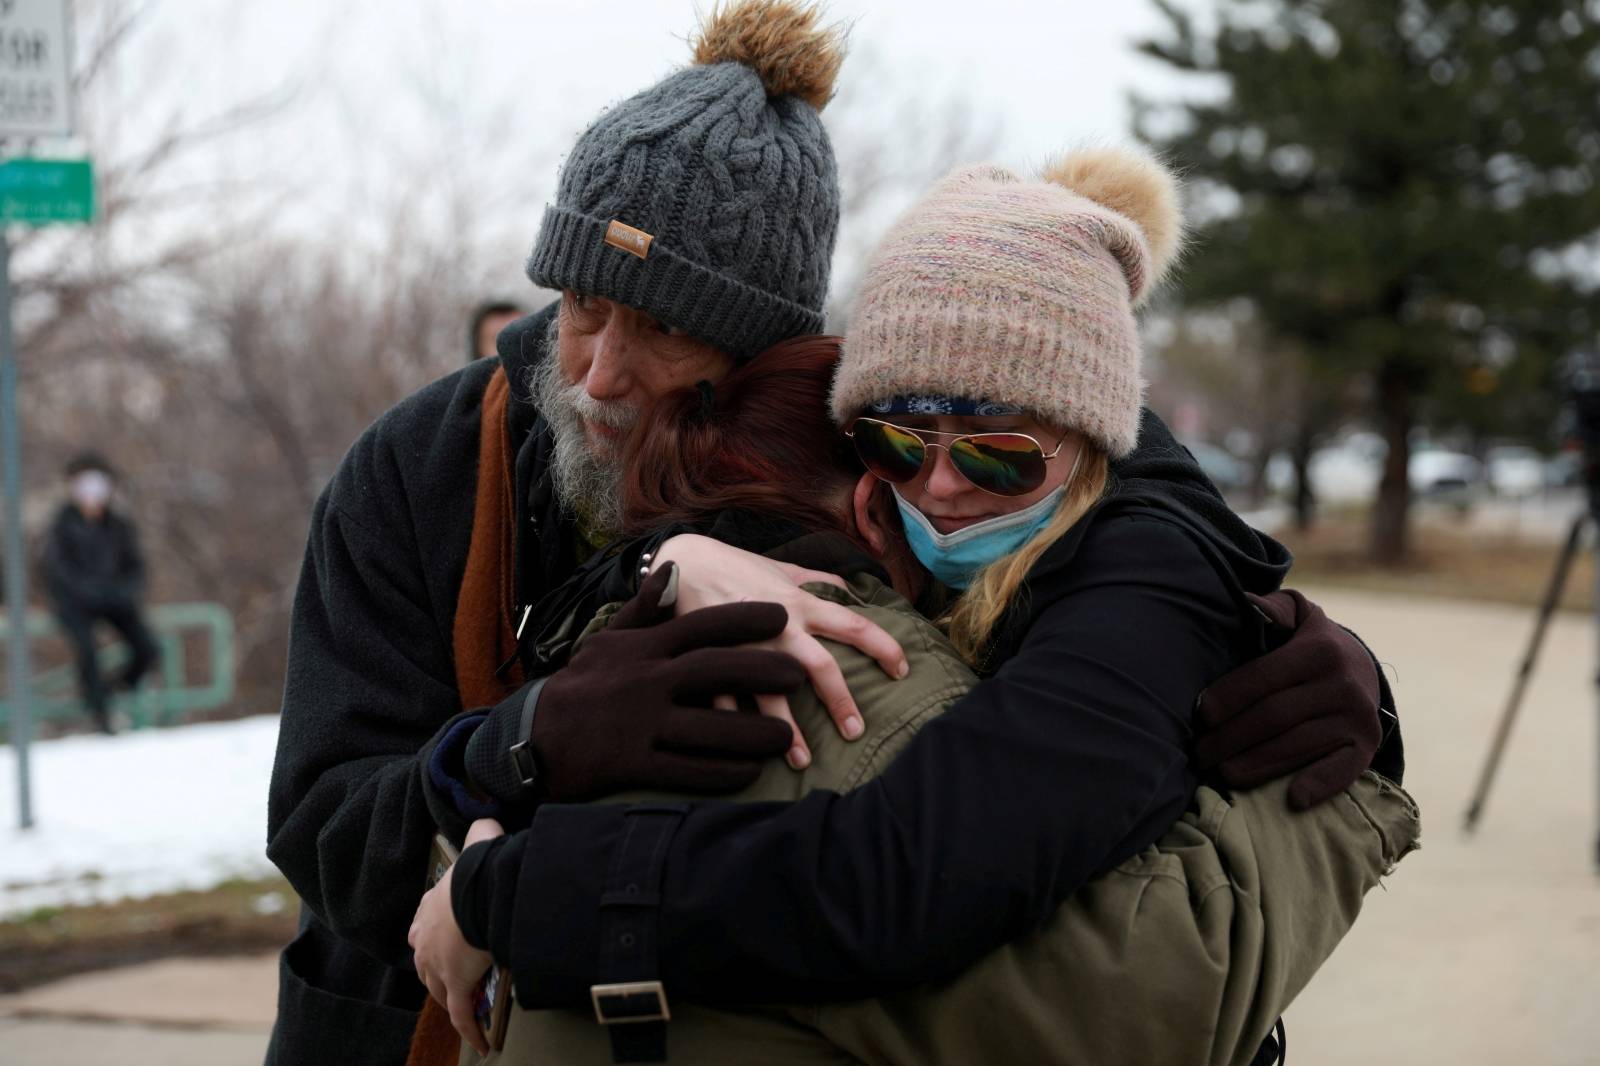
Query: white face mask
[[91, 489]]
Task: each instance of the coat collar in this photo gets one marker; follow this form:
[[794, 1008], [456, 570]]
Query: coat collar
[[545, 539]]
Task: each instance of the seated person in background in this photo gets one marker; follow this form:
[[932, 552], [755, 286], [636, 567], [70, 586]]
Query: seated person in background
[[94, 573]]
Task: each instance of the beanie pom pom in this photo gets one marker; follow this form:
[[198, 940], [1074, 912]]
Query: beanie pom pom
[[781, 40], [1136, 185]]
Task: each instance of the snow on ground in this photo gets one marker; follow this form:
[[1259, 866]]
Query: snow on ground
[[137, 814]]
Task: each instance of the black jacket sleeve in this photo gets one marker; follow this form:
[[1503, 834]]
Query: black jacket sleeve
[[1071, 758], [51, 564], [64, 575], [370, 687], [131, 571], [348, 820]]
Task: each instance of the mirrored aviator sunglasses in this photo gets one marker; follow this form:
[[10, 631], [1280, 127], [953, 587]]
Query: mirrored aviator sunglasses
[[1004, 464]]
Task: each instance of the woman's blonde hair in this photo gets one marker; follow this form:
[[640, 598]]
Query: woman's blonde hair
[[972, 621]]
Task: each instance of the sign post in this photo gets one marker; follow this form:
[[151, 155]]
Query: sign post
[[35, 101], [16, 565]]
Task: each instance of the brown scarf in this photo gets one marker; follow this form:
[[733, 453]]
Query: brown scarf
[[485, 635]]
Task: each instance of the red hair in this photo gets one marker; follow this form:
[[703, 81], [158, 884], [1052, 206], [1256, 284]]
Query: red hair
[[764, 443], [760, 440]]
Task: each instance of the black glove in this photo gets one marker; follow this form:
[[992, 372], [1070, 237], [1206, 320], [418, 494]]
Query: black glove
[[633, 708], [1309, 705]]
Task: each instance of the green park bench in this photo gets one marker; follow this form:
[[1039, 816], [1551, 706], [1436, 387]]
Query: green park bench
[[167, 693]]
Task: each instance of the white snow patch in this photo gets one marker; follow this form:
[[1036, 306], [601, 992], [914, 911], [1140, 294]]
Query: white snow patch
[[137, 814]]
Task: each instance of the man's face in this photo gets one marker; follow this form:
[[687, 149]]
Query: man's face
[[611, 361], [623, 359]]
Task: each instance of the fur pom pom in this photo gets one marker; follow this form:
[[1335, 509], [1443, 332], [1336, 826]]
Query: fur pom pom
[[781, 40], [1135, 184]]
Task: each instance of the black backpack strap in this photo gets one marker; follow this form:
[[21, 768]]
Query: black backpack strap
[[630, 1000]]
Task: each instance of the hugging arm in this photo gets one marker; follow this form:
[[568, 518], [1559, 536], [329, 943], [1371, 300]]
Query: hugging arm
[[1070, 759], [1316, 706], [1186, 953], [370, 697]]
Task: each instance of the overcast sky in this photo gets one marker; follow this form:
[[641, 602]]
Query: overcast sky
[[1057, 71], [489, 94]]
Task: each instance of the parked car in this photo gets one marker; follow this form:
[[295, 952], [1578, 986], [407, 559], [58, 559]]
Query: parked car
[[1514, 471], [1564, 471], [1349, 470], [1440, 473], [1344, 472]]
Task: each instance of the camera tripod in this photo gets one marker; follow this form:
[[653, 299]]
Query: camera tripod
[[1552, 596]]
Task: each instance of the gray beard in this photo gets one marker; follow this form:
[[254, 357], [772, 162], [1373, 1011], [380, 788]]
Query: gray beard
[[587, 481]]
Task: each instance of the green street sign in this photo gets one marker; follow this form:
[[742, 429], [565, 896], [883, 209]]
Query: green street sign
[[41, 191]]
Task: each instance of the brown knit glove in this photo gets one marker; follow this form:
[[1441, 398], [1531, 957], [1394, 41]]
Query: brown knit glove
[[1309, 707], [633, 708]]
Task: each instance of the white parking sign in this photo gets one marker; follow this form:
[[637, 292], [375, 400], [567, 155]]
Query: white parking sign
[[35, 68]]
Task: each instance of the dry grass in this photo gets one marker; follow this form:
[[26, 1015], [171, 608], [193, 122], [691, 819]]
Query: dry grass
[[233, 918], [1444, 562]]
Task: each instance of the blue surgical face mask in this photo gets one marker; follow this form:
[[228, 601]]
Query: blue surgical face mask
[[953, 558]]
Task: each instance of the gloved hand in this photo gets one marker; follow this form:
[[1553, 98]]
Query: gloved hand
[[632, 709], [1307, 707]]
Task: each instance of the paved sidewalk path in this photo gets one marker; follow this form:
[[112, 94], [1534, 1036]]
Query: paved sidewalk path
[[175, 1012], [51, 1042], [1484, 949]]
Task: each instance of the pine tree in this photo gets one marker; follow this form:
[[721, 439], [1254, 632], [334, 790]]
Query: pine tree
[[1405, 188]]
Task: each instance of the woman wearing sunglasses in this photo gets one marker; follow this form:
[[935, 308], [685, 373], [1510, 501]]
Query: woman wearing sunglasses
[[989, 378]]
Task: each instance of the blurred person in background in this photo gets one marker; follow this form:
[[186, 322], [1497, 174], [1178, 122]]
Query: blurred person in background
[[693, 227], [488, 319], [94, 573]]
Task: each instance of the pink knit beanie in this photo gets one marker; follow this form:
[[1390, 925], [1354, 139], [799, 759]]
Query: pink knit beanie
[[1019, 292]]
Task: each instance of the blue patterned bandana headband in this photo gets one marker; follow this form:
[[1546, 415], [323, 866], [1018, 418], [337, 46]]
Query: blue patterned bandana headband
[[933, 404]]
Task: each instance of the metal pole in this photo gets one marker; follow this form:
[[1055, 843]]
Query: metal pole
[[16, 561], [1594, 513], [1498, 746]]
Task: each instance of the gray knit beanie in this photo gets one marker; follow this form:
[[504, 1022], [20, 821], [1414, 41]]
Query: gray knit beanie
[[710, 201]]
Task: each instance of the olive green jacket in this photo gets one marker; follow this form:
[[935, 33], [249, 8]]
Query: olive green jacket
[[1184, 954]]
